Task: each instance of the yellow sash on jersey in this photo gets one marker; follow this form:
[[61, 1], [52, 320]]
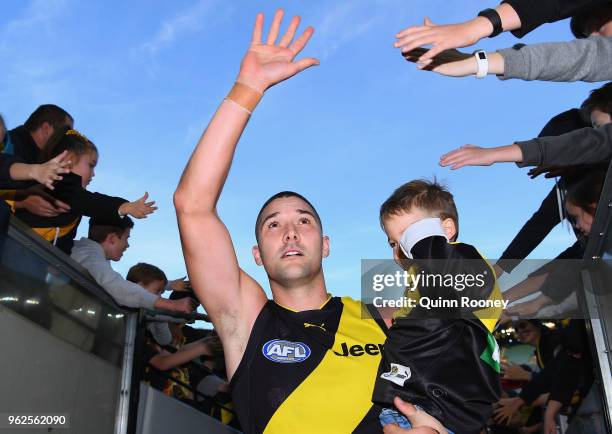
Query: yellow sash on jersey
[[336, 396]]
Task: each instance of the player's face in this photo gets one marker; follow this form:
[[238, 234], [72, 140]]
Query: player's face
[[291, 246]]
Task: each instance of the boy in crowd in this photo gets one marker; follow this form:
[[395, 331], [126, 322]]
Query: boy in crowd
[[424, 347], [107, 241]]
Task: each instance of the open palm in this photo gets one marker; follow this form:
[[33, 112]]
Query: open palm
[[266, 64]]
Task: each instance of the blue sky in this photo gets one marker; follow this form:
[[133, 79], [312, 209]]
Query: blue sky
[[142, 79]]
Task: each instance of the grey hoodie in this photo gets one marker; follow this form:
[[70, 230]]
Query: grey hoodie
[[583, 146], [587, 59], [90, 255]]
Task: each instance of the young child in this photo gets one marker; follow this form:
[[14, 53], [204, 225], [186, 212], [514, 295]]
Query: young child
[[83, 157], [444, 361]]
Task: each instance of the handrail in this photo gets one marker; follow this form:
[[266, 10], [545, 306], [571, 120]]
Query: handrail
[[26, 236], [190, 317]]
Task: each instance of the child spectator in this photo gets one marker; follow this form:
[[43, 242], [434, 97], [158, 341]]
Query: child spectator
[[153, 280], [61, 229], [107, 240], [421, 223]]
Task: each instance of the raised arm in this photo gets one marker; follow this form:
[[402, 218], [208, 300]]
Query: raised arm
[[231, 297]]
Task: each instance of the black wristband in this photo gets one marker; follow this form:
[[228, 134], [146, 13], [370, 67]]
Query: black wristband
[[495, 19]]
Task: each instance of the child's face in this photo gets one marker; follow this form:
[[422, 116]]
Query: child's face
[[85, 166], [581, 218], [155, 287], [395, 225]]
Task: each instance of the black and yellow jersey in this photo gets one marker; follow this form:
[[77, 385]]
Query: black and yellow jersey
[[311, 371]]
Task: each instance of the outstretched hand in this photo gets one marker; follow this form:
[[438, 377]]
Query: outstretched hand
[[139, 208], [268, 63], [441, 37], [467, 155], [52, 170]]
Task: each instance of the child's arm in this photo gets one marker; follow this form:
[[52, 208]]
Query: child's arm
[[579, 60], [46, 173], [583, 146], [470, 155], [186, 353], [101, 205]]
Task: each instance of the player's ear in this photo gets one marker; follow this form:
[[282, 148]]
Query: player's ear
[[450, 228], [325, 249], [257, 255]]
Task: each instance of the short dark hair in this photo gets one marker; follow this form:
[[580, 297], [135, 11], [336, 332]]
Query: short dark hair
[[99, 229], [281, 195], [50, 113], [586, 190], [599, 99], [590, 20], [421, 193], [146, 273]]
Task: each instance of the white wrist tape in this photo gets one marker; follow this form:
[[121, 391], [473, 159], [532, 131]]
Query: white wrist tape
[[420, 230]]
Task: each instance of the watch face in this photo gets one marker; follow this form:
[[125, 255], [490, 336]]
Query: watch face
[[482, 55]]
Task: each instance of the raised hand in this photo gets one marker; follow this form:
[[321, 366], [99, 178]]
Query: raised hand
[[139, 208], [51, 171], [268, 63], [442, 37]]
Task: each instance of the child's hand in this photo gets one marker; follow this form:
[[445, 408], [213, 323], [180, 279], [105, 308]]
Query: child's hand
[[50, 171], [468, 155], [138, 209], [180, 285], [422, 423]]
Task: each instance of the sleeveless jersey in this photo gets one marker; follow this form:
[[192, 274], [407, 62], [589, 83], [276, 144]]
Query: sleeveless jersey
[[311, 371]]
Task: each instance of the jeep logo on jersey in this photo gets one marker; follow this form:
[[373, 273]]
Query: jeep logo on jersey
[[281, 351]]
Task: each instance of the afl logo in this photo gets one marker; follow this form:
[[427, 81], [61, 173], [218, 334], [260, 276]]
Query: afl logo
[[280, 351]]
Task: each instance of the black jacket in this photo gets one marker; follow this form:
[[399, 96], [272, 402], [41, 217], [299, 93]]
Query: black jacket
[[535, 13], [445, 364], [81, 202], [24, 146]]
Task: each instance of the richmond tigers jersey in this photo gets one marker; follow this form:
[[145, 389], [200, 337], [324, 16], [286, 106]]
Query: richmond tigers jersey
[[310, 372]]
